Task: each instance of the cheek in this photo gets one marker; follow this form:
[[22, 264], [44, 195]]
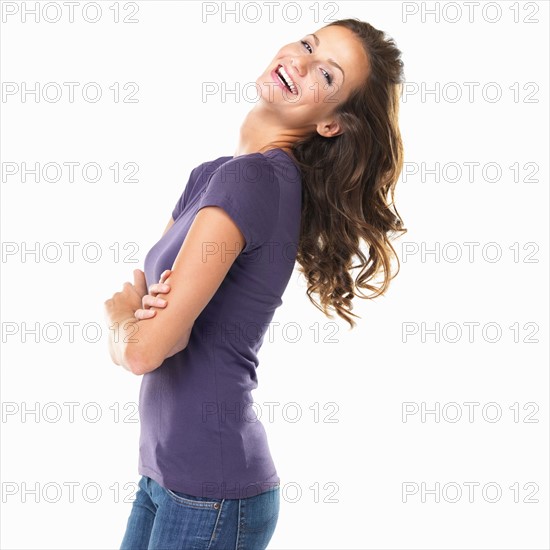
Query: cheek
[[285, 50], [323, 94], [334, 94]]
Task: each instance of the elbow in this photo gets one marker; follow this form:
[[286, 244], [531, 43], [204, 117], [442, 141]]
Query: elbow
[[141, 359], [130, 363], [136, 368], [139, 363]]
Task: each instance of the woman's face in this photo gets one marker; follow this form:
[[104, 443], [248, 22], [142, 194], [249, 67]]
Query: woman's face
[[323, 69]]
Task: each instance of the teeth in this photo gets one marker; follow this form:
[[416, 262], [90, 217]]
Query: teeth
[[286, 79]]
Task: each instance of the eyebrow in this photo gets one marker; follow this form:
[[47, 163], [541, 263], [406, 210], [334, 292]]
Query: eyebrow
[[331, 61]]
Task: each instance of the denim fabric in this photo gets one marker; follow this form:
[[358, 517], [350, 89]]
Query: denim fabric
[[171, 520]]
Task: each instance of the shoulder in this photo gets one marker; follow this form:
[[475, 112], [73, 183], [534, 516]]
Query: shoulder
[[204, 170], [246, 169], [246, 187], [201, 174]]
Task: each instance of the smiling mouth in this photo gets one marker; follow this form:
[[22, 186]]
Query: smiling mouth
[[286, 80]]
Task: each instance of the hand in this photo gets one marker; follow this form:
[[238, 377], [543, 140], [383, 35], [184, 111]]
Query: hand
[[150, 300], [123, 304]]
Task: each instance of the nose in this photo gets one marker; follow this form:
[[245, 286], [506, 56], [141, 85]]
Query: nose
[[298, 64]]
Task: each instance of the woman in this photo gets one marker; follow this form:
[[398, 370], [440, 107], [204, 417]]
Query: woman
[[317, 159]]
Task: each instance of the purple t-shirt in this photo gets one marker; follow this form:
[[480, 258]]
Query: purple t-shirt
[[200, 434]]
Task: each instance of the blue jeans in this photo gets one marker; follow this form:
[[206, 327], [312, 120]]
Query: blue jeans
[[170, 520]]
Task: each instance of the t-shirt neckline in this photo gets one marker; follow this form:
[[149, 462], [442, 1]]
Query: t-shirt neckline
[[275, 149]]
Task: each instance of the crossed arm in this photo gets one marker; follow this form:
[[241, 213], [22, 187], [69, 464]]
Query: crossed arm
[[212, 244]]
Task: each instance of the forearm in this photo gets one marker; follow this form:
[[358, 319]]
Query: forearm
[[133, 347]]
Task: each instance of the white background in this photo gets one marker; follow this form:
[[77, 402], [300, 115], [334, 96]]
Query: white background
[[362, 460]]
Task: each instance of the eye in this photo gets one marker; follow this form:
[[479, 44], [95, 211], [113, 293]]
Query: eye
[[327, 76], [306, 44]]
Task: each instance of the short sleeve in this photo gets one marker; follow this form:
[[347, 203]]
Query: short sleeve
[[247, 189], [187, 192]]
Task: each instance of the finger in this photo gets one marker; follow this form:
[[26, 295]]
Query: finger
[[139, 282], [149, 301], [146, 301], [159, 288], [165, 274], [142, 314]]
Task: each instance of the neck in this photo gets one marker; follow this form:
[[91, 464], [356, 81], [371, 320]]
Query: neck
[[260, 132]]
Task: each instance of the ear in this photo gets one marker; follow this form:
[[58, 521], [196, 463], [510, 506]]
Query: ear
[[329, 128]]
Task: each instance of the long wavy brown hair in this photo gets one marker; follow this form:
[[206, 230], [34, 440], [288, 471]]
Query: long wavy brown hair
[[348, 184]]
